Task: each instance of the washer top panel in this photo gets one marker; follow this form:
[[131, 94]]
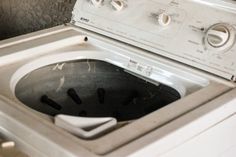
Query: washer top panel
[[198, 33]]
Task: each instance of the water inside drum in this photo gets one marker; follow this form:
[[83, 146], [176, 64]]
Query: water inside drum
[[91, 88]]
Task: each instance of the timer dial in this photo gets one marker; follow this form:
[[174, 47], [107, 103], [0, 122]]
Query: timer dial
[[220, 37]]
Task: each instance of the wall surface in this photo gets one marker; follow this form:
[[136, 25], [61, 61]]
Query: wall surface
[[23, 16]]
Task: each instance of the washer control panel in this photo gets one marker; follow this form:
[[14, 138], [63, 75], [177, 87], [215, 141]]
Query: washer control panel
[[200, 33], [220, 37]]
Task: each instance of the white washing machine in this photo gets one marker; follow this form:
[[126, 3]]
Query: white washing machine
[[124, 78]]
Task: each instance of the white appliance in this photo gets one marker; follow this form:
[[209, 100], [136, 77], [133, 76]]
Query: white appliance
[[166, 67]]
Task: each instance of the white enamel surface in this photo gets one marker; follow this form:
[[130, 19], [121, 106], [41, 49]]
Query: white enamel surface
[[220, 138], [211, 133], [18, 62]]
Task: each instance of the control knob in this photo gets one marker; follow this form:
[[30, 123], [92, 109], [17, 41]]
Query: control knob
[[164, 19], [97, 3], [118, 5], [220, 37]]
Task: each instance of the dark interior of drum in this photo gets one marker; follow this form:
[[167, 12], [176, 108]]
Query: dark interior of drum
[[91, 88]]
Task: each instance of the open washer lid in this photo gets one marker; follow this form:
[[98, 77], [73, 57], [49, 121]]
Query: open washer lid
[[172, 28]]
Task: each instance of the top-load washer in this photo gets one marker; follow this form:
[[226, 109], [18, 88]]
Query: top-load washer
[[124, 78]]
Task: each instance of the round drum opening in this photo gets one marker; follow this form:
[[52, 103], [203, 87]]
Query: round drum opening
[[91, 88]]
